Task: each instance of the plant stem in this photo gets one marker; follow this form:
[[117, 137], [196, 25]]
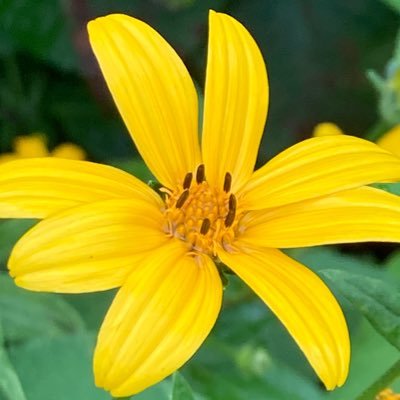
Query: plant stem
[[383, 382]]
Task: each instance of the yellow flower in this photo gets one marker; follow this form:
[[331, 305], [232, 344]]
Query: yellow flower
[[389, 141], [35, 146], [387, 394], [103, 228], [326, 129]]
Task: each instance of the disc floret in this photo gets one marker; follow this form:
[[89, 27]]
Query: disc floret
[[202, 215]]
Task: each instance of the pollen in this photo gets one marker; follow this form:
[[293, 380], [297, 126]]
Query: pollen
[[202, 215]]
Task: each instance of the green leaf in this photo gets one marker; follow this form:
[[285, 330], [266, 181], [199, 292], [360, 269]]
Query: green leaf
[[92, 307], [160, 391], [393, 188], [57, 368], [61, 368], [392, 266], [10, 386], [383, 381], [376, 80], [378, 301], [10, 232], [394, 4], [27, 314], [181, 390], [327, 257]]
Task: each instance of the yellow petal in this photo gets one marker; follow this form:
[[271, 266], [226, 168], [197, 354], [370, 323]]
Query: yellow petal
[[87, 248], [318, 167], [30, 146], [160, 317], [70, 151], [303, 303], [327, 129], [390, 141], [153, 92], [236, 102], [38, 187], [358, 215]]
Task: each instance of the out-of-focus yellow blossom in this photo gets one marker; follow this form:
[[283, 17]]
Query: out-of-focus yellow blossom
[[389, 141], [387, 394], [34, 146], [327, 129]]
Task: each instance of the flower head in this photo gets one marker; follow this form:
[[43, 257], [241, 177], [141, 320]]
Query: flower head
[[103, 228], [326, 129], [387, 394], [35, 146]]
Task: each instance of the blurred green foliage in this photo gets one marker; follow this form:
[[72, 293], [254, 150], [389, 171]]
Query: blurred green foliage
[[10, 385], [317, 53], [180, 388]]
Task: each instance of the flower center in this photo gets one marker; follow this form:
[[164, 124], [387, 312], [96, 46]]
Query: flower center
[[202, 215]]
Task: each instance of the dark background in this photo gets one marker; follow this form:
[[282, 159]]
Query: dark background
[[317, 52]]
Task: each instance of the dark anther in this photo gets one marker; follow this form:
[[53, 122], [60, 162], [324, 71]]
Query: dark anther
[[188, 180], [227, 182], [230, 217], [205, 226], [182, 198], [232, 202], [200, 173]]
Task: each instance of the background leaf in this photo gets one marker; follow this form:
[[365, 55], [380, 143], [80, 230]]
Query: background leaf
[[57, 368], [181, 390], [26, 314], [395, 4], [378, 301], [393, 188], [92, 307], [10, 386], [10, 231]]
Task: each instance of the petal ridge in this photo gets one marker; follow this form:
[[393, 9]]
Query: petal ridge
[[157, 100], [39, 187], [236, 101], [303, 303], [87, 248], [364, 214], [318, 167], [150, 319]]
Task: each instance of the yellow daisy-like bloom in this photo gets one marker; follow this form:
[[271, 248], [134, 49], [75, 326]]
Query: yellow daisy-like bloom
[[327, 129], [103, 228], [35, 146], [387, 394]]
